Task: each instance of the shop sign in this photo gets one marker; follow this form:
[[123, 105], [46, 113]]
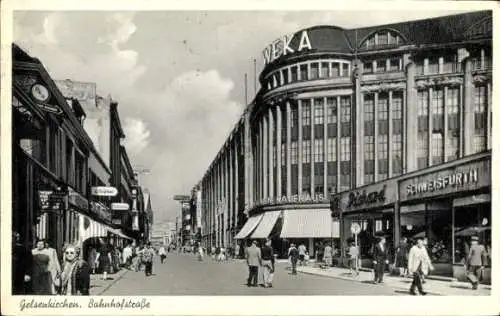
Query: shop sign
[[116, 221], [120, 206], [198, 209], [455, 179], [360, 198], [304, 198], [471, 176], [48, 201], [104, 191], [355, 228], [281, 47], [101, 210], [77, 199]]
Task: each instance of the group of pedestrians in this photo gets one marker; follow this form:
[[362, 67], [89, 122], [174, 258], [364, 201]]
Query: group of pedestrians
[[261, 264], [39, 271], [137, 256]]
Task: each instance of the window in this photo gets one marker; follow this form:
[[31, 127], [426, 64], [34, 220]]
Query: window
[[381, 65], [370, 42], [318, 111], [306, 113], [332, 149], [314, 70], [423, 103], [318, 150], [345, 182], [306, 151], [433, 67], [368, 67], [283, 154], [382, 39], [70, 177], [345, 70], [369, 107], [437, 101], [369, 148], [452, 150], [284, 73], [382, 146], [331, 107], [294, 118], [383, 114], [335, 70], [397, 157], [345, 106], [479, 143], [345, 149], [394, 64], [294, 74], [393, 39], [303, 72], [325, 72], [293, 152], [276, 80], [437, 148]]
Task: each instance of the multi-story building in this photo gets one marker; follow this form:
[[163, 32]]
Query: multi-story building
[[390, 123]]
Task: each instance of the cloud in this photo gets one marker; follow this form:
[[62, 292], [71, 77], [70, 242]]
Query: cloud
[[137, 135]]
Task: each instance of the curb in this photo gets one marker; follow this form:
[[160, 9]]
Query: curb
[[111, 283]]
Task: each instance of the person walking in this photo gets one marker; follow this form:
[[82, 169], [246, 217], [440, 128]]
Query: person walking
[[401, 258], [46, 270], [353, 259], [127, 256], [237, 251], [254, 261], [302, 254], [419, 264], [328, 255], [92, 259], [162, 253], [75, 277], [268, 263], [476, 260], [293, 254], [380, 259], [147, 258], [104, 259], [22, 264]]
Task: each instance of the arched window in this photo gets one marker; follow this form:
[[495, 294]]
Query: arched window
[[381, 39], [481, 29]]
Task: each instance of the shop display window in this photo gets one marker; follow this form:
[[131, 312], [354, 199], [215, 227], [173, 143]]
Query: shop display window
[[472, 220]]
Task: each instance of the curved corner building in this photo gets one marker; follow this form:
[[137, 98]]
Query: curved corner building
[[391, 124]]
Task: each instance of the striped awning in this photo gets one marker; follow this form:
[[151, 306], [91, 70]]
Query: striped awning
[[119, 233], [266, 225], [249, 226], [89, 228], [309, 223]]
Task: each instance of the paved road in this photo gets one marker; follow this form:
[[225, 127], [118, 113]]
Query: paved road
[[182, 274]]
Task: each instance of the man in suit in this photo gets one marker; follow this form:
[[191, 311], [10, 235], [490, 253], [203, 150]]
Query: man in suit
[[380, 259], [476, 260], [254, 261]]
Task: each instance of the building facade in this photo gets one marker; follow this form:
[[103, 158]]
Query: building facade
[[354, 111]]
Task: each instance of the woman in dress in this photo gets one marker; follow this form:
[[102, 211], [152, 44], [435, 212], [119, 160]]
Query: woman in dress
[[75, 277], [104, 259], [46, 269], [402, 257], [92, 259]]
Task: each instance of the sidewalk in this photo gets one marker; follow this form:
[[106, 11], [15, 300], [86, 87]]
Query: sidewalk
[[98, 285], [400, 284]]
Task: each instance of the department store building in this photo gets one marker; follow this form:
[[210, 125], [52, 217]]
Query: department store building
[[390, 122]]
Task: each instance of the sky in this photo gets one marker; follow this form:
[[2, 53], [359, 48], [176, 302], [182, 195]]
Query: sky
[[178, 75]]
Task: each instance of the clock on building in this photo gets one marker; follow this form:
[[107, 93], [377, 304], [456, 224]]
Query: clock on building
[[40, 92]]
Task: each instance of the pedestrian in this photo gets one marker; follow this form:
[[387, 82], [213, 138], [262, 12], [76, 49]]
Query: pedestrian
[[127, 256], [254, 261], [353, 252], [401, 258], [147, 258], [46, 269], [328, 255], [200, 253], [162, 253], [476, 260], [75, 277], [22, 265], [380, 259], [268, 264], [302, 254], [139, 251], [104, 259], [293, 254], [92, 259], [419, 264], [237, 251]]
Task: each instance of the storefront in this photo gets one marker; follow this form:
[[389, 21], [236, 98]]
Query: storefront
[[448, 204], [372, 207]]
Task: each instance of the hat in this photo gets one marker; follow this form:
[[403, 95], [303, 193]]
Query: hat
[[476, 238]]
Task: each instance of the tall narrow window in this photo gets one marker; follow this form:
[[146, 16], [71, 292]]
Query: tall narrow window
[[306, 113], [397, 158], [452, 99], [303, 72], [423, 129], [437, 148], [381, 65], [382, 155], [325, 72], [293, 152], [306, 151], [345, 70], [332, 149], [382, 39], [314, 71], [345, 105], [479, 143], [383, 114], [318, 150], [285, 75], [331, 107], [369, 114], [335, 69], [294, 73], [318, 111], [369, 153], [368, 67], [345, 149]]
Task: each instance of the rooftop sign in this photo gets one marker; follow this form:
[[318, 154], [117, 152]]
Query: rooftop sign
[[283, 47]]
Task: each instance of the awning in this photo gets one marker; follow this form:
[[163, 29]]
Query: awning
[[90, 228], [249, 226], [309, 223], [266, 225], [119, 233]]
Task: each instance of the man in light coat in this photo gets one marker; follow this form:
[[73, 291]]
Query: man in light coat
[[419, 264], [254, 261]]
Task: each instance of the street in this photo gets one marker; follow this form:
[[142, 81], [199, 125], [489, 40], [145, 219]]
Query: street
[[182, 274]]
